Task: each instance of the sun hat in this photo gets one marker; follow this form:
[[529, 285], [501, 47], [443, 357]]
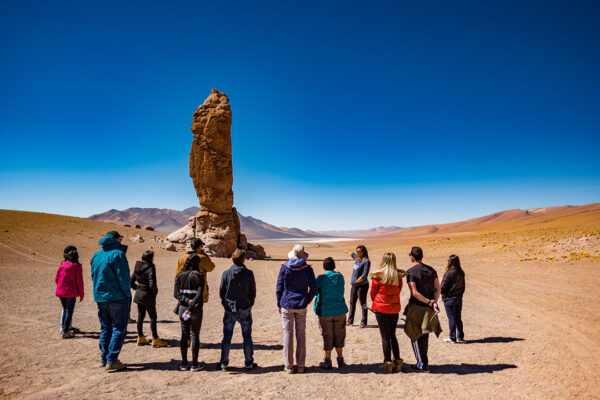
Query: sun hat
[[298, 252]]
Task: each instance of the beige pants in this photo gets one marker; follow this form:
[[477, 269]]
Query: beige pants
[[294, 318]]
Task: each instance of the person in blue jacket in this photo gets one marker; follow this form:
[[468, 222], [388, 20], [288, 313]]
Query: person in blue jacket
[[331, 309], [110, 278], [359, 284], [296, 288]]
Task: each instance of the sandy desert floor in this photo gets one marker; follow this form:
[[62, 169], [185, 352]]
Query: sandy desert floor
[[532, 323]]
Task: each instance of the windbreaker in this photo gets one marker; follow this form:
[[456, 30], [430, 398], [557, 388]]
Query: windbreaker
[[110, 271], [330, 295], [69, 280], [296, 284]]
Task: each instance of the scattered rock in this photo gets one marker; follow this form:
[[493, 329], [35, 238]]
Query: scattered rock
[[127, 225], [137, 239], [149, 228], [170, 247], [138, 226]]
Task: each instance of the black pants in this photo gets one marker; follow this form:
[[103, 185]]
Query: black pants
[[191, 326], [358, 293], [140, 319], [387, 327], [420, 348]]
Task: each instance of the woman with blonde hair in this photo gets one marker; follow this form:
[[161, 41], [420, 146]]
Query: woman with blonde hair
[[385, 296]]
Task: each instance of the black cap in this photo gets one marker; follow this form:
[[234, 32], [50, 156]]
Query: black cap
[[115, 234], [195, 243]]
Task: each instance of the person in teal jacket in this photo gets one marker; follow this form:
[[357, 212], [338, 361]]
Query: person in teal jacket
[[110, 278], [331, 309]]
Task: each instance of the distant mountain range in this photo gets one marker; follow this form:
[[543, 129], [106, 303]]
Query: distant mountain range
[[380, 230], [166, 220]]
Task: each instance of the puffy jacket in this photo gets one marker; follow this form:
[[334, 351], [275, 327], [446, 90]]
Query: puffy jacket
[[385, 298], [296, 284], [453, 285], [329, 301], [205, 265], [238, 288], [188, 286], [143, 281], [69, 280], [110, 271]]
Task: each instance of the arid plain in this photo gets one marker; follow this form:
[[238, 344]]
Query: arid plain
[[531, 314]]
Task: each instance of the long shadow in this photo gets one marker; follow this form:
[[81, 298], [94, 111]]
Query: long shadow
[[238, 346], [467, 369], [96, 335], [495, 339], [155, 365]]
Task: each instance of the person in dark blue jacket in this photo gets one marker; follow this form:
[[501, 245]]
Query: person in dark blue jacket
[[110, 277], [359, 284], [296, 288], [237, 291]]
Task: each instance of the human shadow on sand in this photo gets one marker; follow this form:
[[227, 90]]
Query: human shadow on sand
[[495, 339], [96, 335], [238, 346], [467, 369]]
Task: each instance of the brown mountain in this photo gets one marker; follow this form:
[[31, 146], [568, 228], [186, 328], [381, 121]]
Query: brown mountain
[[166, 220]]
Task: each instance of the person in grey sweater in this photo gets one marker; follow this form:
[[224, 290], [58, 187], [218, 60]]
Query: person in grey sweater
[[359, 284]]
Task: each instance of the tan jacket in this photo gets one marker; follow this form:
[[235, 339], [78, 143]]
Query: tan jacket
[[206, 265]]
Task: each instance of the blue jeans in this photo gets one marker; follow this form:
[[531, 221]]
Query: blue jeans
[[245, 319], [68, 305], [454, 313], [113, 317]]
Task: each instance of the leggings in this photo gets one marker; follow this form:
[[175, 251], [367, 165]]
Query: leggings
[[387, 328], [142, 308], [192, 325], [358, 293]]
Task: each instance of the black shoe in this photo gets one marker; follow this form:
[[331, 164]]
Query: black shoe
[[363, 325], [75, 330], [326, 363], [184, 367], [223, 367], [414, 368], [198, 367], [341, 363], [251, 366]]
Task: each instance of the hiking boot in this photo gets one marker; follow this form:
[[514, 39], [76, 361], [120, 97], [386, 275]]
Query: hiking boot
[[75, 330], [116, 366], [300, 370], [142, 341], [448, 340], [414, 368], [158, 342], [341, 363], [398, 365], [326, 363], [198, 367], [68, 335], [288, 370], [184, 367], [388, 366], [250, 367], [102, 364], [349, 323], [363, 325]]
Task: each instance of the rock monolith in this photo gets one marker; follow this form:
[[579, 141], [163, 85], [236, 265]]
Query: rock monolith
[[211, 170]]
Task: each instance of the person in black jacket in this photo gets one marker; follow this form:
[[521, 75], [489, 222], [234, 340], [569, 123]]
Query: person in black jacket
[[143, 281], [453, 288], [189, 285], [237, 291]]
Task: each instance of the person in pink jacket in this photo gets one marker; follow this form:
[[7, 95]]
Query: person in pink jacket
[[69, 286]]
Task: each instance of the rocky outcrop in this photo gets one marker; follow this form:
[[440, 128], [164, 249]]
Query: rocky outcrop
[[211, 170]]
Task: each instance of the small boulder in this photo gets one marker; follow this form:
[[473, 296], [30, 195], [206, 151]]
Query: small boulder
[[170, 247], [138, 226], [127, 225], [137, 239], [149, 228]]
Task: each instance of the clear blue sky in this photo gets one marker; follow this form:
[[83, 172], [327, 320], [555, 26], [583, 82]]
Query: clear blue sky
[[345, 114]]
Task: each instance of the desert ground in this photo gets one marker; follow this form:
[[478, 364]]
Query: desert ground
[[531, 315]]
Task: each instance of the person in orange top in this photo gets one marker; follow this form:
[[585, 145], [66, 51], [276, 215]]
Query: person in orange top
[[385, 296], [205, 266]]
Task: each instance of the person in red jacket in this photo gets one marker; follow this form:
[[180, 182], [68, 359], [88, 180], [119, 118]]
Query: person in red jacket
[[69, 286], [385, 296]]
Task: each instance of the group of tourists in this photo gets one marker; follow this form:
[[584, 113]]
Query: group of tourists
[[296, 288]]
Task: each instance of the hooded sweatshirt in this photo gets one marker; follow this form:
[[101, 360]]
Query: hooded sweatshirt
[[330, 295], [69, 280], [238, 288], [110, 271], [296, 284]]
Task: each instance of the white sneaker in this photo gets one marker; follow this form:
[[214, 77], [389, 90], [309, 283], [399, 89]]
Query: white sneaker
[[448, 340]]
